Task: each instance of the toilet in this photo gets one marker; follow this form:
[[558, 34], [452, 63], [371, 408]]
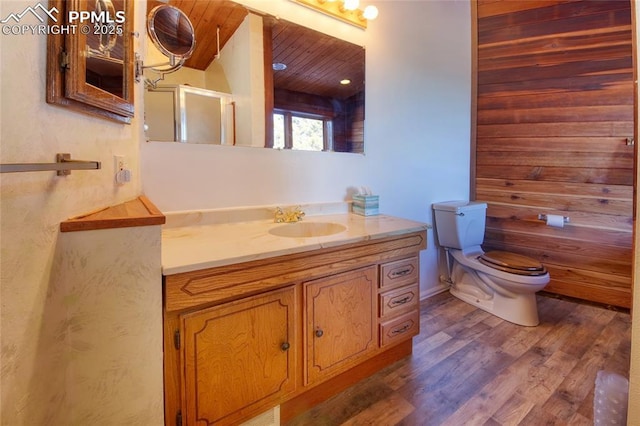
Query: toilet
[[501, 283]]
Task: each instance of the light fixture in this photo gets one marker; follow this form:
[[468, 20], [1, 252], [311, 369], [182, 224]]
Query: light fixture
[[370, 12], [345, 81], [344, 10], [350, 4]]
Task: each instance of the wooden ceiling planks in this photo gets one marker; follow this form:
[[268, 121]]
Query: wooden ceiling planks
[[224, 14], [316, 62]]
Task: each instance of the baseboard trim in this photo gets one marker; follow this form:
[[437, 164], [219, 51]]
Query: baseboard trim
[[441, 288]]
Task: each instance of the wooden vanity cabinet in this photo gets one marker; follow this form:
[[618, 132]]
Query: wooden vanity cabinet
[[291, 330]]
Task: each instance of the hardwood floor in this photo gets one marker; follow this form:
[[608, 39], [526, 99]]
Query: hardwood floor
[[471, 368]]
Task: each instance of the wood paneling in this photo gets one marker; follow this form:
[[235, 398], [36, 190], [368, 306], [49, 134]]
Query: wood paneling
[[554, 107]]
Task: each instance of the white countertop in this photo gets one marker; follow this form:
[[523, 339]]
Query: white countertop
[[193, 245]]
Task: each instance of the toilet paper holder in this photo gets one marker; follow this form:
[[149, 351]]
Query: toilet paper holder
[[543, 217]]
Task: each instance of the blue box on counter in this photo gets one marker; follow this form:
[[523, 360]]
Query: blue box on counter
[[365, 205]]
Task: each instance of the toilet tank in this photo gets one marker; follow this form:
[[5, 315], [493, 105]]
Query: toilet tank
[[460, 224]]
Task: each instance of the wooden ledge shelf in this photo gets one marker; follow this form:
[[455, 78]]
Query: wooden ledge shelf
[[138, 212]]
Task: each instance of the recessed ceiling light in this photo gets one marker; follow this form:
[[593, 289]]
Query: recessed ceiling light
[[345, 81], [279, 66]]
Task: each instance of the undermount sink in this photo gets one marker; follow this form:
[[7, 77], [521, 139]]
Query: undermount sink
[[307, 229]]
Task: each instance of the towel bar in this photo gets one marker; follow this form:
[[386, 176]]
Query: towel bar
[[63, 166]]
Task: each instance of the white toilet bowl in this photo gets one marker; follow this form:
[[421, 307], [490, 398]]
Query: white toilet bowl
[[507, 295], [500, 283]]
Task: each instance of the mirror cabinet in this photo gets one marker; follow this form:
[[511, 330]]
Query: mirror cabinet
[[90, 68]]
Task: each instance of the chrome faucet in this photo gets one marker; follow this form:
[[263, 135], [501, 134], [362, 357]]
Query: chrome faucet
[[282, 216]]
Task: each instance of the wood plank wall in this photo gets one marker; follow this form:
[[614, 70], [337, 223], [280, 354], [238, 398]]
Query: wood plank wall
[[348, 130], [554, 107]]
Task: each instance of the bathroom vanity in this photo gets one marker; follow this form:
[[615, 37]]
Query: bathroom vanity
[[254, 319]]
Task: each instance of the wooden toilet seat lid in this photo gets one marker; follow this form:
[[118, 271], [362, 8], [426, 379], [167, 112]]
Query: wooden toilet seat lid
[[512, 263]]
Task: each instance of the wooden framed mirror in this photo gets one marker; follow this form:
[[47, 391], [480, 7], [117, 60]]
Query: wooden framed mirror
[[90, 67]]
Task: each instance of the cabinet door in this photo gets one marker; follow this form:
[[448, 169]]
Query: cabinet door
[[238, 357], [340, 322]]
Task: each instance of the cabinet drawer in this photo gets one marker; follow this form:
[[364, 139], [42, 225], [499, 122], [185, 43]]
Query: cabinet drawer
[[394, 274], [399, 329], [399, 300]]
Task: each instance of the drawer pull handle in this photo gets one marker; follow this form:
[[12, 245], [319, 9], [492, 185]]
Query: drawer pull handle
[[401, 301], [401, 273], [401, 329], [319, 333], [285, 346]]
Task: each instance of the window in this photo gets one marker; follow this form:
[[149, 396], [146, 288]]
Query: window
[[278, 131], [300, 131]]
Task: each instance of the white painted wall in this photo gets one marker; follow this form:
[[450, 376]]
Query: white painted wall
[[243, 62], [81, 313], [416, 129]]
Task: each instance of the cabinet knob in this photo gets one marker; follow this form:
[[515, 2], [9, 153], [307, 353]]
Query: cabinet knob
[[285, 346], [319, 333]]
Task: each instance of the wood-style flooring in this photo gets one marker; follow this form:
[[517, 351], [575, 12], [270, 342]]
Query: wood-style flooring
[[471, 368]]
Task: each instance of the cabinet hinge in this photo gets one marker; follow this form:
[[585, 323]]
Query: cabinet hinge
[[64, 60], [176, 339], [179, 418]]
